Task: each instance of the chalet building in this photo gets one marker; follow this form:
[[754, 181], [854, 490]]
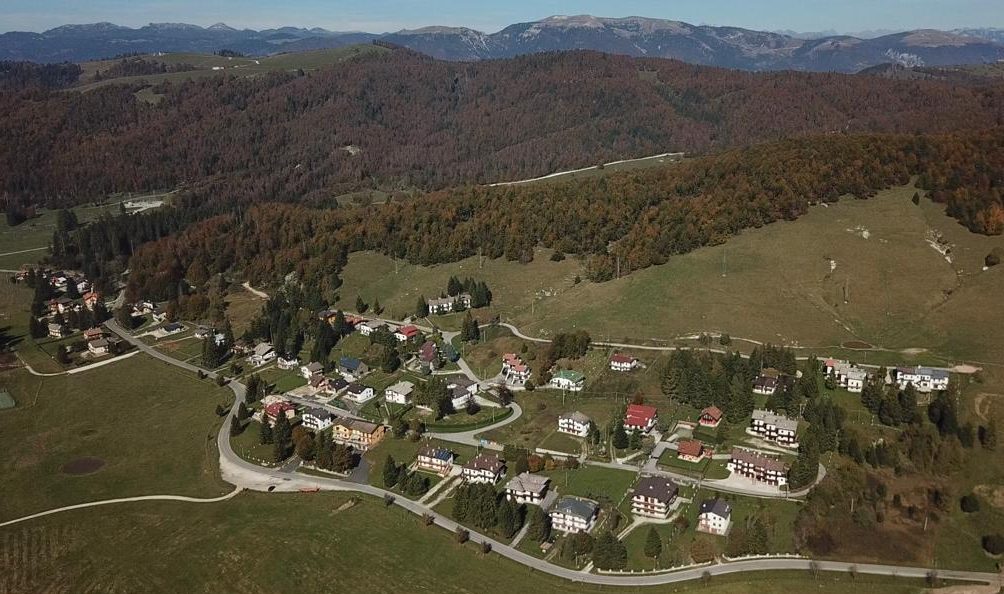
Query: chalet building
[[285, 364], [461, 390], [406, 333], [765, 385], [653, 497], [640, 417], [572, 514], [924, 379], [714, 517], [690, 450], [308, 370], [282, 407], [514, 370], [91, 299], [484, 468], [263, 353], [351, 368], [774, 427], [435, 460], [446, 305], [619, 362], [710, 417], [574, 423], [399, 393], [527, 488], [98, 347], [58, 330], [361, 435], [359, 393], [428, 355], [847, 375], [336, 386], [60, 305], [758, 466], [568, 379], [367, 328], [317, 419], [173, 328], [93, 334]]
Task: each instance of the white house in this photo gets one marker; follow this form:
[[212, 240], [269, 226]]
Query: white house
[[358, 393], [433, 459], [367, 328], [514, 370], [98, 347], [308, 370], [484, 468], [527, 488], [568, 379], [290, 363], [571, 514], [847, 375], [406, 333], [654, 497], [263, 353], [619, 362], [924, 379], [714, 516], [449, 304], [317, 419], [774, 427], [462, 390], [574, 423], [399, 393]]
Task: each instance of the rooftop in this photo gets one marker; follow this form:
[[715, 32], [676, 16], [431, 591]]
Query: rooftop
[[771, 418], [657, 487], [759, 459], [573, 506], [717, 506], [530, 483]]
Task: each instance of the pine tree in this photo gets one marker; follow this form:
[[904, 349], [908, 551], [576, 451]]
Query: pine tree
[[323, 457], [265, 435], [391, 472], [620, 438], [741, 402], [235, 426], [634, 442], [377, 308], [283, 439], [653, 544], [540, 525], [361, 306], [36, 328], [422, 308]]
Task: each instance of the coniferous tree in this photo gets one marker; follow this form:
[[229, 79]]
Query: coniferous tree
[[391, 472], [283, 437], [265, 434], [653, 544], [620, 437], [422, 308]]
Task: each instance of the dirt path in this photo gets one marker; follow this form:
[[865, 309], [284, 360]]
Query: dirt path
[[255, 291]]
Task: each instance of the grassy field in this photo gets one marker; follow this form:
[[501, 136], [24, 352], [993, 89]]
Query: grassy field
[[152, 425], [176, 547], [405, 451], [15, 310], [903, 294], [204, 64], [593, 482]]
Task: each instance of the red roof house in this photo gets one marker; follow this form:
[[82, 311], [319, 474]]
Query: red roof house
[[640, 417], [711, 417], [690, 450]]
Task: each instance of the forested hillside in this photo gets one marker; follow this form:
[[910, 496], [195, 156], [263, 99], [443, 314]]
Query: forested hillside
[[640, 218], [413, 122]]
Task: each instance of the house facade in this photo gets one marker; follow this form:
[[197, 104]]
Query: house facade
[[690, 450], [317, 419], [399, 393], [486, 468], [308, 370], [620, 362], [406, 333], [847, 375], [574, 423], [280, 407], [446, 305], [714, 517], [98, 347], [263, 353], [774, 427], [358, 393], [367, 328], [653, 497], [710, 417], [640, 417], [527, 488], [572, 514], [351, 368], [361, 435], [570, 380], [461, 390], [924, 379], [435, 460], [758, 466], [514, 370]]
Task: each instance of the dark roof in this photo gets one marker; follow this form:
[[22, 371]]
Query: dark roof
[[338, 384], [573, 506], [428, 451], [350, 363], [658, 487], [485, 461], [320, 413], [717, 506], [358, 388], [759, 460], [173, 326]]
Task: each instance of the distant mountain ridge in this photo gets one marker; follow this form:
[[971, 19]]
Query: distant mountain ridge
[[730, 47]]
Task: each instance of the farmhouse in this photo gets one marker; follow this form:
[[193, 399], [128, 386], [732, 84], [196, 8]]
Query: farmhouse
[[758, 466], [448, 304], [484, 468], [436, 460], [619, 362], [98, 347], [93, 334], [367, 328], [284, 363], [714, 516], [263, 353], [308, 370], [527, 488], [710, 417], [514, 370], [765, 385], [640, 417], [351, 368], [428, 355], [653, 497], [461, 391], [774, 427], [406, 333], [571, 514], [58, 330], [336, 386], [60, 305], [847, 375], [690, 450], [924, 379], [568, 379], [399, 393], [273, 410], [317, 419], [91, 299], [358, 393], [361, 435], [574, 423]]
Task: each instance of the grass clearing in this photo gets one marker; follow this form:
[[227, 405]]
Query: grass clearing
[[593, 482], [151, 424]]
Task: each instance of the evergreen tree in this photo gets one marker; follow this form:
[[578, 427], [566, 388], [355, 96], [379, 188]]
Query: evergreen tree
[[361, 306], [453, 287], [806, 466], [540, 525], [265, 435], [377, 308], [36, 328], [741, 401], [634, 442], [283, 437], [235, 426], [323, 456], [422, 308], [123, 318], [324, 341], [508, 518], [988, 436], [390, 472], [653, 544], [620, 437]]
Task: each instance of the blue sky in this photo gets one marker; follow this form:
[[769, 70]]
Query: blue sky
[[391, 15]]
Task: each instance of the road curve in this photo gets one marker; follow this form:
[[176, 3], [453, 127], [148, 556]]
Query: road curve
[[125, 500], [470, 437]]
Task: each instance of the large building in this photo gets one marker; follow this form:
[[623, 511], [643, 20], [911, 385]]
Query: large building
[[436, 460], [446, 305], [654, 497], [758, 466], [847, 375], [568, 379], [571, 514], [361, 435], [574, 423], [527, 488], [774, 427], [317, 419], [924, 379], [714, 516], [399, 393], [484, 468], [514, 370]]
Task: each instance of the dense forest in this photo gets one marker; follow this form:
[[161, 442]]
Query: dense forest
[[641, 218], [401, 120], [18, 76]]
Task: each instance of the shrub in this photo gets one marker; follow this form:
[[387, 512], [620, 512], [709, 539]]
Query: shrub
[[969, 503], [993, 544]]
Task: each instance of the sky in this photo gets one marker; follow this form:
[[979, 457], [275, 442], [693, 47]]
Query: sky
[[378, 16]]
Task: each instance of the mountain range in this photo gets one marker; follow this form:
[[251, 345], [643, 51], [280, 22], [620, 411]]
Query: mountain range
[[730, 47]]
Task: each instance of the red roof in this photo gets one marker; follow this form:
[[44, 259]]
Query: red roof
[[619, 358], [690, 447], [274, 409], [408, 331], [511, 359], [639, 415], [712, 411]]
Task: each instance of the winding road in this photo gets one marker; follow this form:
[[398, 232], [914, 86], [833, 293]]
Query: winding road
[[245, 475]]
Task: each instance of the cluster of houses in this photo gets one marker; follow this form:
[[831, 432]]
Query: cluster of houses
[[847, 375], [445, 305], [656, 497], [361, 435], [852, 378], [514, 370]]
